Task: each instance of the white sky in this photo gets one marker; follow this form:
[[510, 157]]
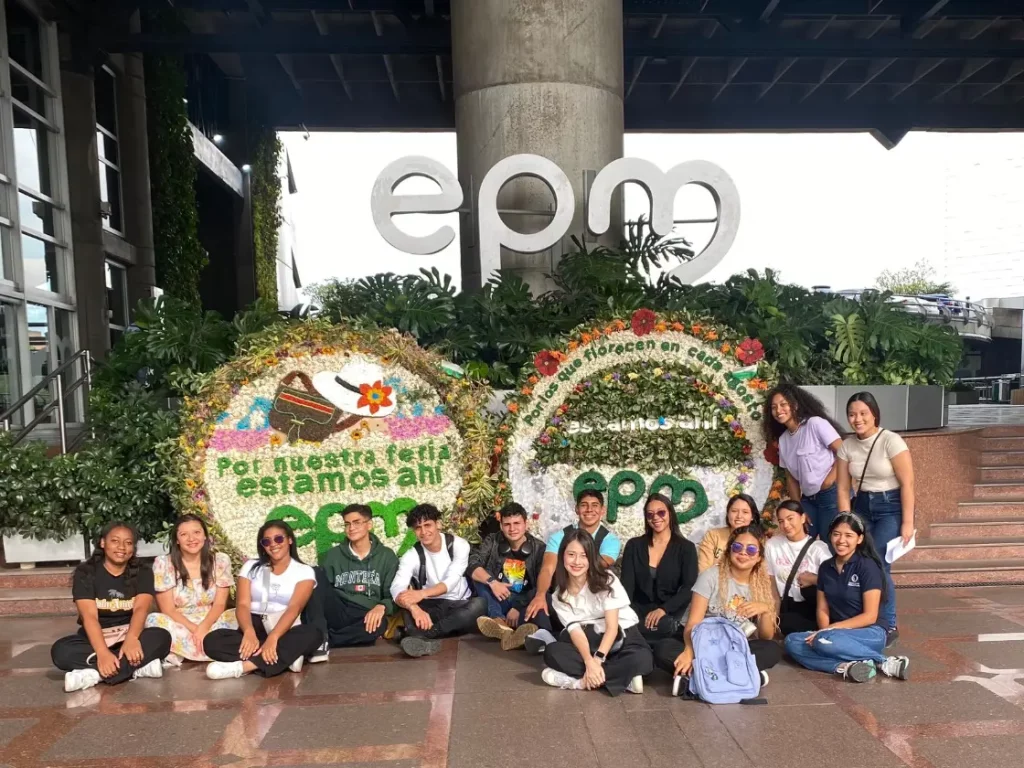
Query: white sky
[[823, 209]]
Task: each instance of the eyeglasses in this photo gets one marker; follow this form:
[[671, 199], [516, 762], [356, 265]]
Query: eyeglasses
[[656, 513], [751, 549], [278, 539], [355, 523]]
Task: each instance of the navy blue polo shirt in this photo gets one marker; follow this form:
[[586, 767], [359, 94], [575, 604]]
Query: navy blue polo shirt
[[844, 591]]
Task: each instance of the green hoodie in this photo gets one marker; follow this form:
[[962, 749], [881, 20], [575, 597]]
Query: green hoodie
[[366, 583]]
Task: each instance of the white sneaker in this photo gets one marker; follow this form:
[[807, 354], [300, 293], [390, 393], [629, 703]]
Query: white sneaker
[[857, 671], [224, 670], [636, 685], [153, 669], [172, 660], [764, 678], [80, 679], [896, 666], [557, 679], [296, 666], [320, 655]]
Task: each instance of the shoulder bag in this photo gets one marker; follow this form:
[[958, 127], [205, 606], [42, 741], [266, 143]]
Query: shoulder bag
[[864, 472], [809, 594]]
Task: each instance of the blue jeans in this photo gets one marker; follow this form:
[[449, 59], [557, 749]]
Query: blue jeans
[[498, 609], [821, 508], [831, 647], [883, 514]]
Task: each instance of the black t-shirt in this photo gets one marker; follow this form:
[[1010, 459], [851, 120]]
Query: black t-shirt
[[115, 601]]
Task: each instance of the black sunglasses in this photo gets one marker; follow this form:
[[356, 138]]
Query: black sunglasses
[[659, 513], [278, 539]]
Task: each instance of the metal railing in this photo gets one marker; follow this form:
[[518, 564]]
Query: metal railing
[[56, 378]]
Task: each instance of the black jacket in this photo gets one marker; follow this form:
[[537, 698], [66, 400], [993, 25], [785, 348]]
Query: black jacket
[[676, 575], [492, 551]]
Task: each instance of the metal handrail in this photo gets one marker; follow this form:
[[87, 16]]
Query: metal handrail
[[85, 380]]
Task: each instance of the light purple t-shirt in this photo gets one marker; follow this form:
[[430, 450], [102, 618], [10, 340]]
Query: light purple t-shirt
[[806, 453]]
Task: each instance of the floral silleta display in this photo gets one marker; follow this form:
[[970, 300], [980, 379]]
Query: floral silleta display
[[630, 406], [322, 416]]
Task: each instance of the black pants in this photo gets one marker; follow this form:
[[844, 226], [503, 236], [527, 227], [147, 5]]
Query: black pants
[[298, 642], [625, 661], [798, 617], [450, 617], [75, 652], [669, 625], [767, 653], [338, 620]]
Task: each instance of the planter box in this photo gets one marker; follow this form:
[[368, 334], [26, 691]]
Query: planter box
[[963, 398], [18, 549], [905, 408], [145, 549]]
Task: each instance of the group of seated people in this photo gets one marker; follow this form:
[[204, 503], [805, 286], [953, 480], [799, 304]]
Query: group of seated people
[[560, 598]]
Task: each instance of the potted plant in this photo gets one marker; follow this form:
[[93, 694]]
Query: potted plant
[[962, 393]]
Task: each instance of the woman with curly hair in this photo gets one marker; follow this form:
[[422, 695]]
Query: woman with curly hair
[[808, 441], [601, 645], [113, 592], [739, 588]]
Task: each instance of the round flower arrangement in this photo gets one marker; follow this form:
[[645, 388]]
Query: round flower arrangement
[[309, 420], [639, 404]]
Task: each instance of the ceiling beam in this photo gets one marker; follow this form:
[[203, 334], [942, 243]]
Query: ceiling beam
[[734, 68], [876, 68], [687, 69], [336, 62], [440, 76], [970, 68], [1016, 69], [915, 26], [769, 9], [780, 69], [827, 70], [642, 62], [922, 69], [389, 66]]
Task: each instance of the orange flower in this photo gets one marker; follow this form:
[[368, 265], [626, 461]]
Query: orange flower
[[533, 379], [586, 337], [620, 325], [726, 349], [276, 439], [678, 327], [775, 495], [559, 356], [711, 336], [696, 330], [609, 329], [596, 332], [513, 407], [572, 345], [526, 391], [373, 396], [660, 327], [270, 361]]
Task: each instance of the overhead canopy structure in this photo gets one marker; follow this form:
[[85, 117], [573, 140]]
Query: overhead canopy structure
[[888, 66]]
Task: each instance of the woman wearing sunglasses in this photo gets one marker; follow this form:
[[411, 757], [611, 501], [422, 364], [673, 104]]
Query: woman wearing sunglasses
[[272, 592], [740, 511], [659, 570], [738, 588]]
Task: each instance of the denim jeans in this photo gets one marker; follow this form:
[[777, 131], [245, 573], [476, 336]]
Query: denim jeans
[[883, 515], [831, 647], [498, 609], [821, 508]]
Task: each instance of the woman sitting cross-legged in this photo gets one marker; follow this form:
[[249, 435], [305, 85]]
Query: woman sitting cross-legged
[[739, 588], [851, 588], [601, 645], [192, 585], [793, 559], [659, 569], [272, 591], [113, 592]]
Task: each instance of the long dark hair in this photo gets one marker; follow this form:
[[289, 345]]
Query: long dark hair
[[599, 578], [865, 549], [794, 506], [803, 404], [263, 559], [869, 400], [755, 513], [673, 523], [206, 557], [87, 570]]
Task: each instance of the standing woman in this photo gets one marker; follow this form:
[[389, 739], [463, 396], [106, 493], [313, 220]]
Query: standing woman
[[601, 645], [851, 590], [740, 512], [793, 559], [272, 591], [808, 442], [192, 585], [113, 592], [875, 463], [659, 569], [738, 588]]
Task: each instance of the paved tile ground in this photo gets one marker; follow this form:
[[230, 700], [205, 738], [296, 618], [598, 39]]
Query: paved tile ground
[[473, 706]]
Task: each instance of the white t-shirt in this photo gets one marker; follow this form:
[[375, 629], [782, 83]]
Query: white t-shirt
[[282, 585], [880, 475], [588, 608], [439, 567], [780, 553]]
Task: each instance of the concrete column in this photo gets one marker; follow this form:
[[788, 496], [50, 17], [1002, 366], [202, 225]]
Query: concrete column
[[537, 77]]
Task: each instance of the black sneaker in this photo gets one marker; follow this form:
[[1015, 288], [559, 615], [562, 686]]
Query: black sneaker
[[419, 646], [891, 636], [320, 655], [533, 644]]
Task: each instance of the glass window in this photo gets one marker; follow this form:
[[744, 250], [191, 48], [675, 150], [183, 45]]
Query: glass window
[[106, 100], [29, 93], [110, 196], [106, 144], [117, 301], [24, 38], [42, 264], [32, 152], [6, 272], [39, 352], [36, 215], [107, 147], [9, 388]]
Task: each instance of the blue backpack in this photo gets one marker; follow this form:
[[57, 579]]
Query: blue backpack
[[724, 671]]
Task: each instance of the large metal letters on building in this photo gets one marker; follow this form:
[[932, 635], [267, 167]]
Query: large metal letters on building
[[661, 187]]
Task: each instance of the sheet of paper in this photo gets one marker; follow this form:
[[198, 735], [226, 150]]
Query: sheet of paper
[[895, 549]]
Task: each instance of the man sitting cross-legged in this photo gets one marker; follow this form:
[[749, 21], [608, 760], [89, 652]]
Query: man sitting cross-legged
[[504, 569], [430, 586], [354, 584]]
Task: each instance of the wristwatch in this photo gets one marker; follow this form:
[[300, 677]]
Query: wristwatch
[[490, 580], [600, 656]]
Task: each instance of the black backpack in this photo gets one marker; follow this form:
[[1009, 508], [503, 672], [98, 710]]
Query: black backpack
[[420, 581]]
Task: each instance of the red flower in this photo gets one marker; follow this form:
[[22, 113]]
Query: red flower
[[750, 351], [747, 449], [771, 453], [373, 396], [546, 363], [643, 322]]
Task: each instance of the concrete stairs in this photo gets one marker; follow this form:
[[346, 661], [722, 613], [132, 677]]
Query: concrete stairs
[[36, 592], [984, 543]]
